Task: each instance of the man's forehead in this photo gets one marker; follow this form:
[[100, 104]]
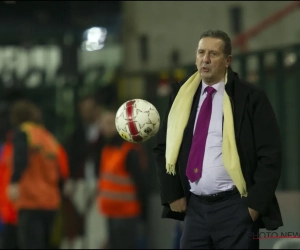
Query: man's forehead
[[210, 43]]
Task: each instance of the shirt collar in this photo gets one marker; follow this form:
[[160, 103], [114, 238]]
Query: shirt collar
[[218, 86]]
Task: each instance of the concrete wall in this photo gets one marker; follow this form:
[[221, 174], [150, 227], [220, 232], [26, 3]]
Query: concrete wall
[[177, 25]]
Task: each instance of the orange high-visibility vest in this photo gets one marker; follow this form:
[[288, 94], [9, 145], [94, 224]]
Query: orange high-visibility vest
[[7, 208], [117, 192], [39, 184], [63, 162]]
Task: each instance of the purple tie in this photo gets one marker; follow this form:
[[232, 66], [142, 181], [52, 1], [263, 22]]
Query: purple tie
[[195, 161]]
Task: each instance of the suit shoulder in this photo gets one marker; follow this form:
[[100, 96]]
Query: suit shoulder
[[177, 85], [256, 93], [251, 88]]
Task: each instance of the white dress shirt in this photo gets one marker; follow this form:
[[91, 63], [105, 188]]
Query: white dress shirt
[[214, 175]]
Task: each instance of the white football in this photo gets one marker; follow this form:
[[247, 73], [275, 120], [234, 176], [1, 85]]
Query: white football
[[137, 120]]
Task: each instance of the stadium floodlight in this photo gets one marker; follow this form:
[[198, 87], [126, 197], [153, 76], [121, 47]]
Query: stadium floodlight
[[94, 38]]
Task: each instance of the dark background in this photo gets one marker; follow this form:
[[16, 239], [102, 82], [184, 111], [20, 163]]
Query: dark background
[[40, 22]]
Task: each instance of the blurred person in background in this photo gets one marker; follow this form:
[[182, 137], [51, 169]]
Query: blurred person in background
[[8, 210], [39, 163], [85, 141], [229, 127], [84, 147], [122, 186]]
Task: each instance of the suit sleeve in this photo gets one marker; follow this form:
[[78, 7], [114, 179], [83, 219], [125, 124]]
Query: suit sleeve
[[20, 155], [268, 149], [171, 188]]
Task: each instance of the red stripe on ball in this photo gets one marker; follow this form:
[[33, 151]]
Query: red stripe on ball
[[131, 124]]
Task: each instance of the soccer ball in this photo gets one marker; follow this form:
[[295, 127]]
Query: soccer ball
[[137, 121]]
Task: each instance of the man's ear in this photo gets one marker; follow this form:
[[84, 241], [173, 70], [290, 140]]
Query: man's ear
[[229, 59]]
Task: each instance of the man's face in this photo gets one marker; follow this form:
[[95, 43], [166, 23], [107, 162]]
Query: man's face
[[211, 61], [88, 111], [108, 127]]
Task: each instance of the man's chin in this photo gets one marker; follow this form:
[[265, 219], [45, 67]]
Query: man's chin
[[202, 72], [205, 75]]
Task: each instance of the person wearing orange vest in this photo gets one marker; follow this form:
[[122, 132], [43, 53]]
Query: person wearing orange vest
[[37, 171], [8, 211], [122, 186]]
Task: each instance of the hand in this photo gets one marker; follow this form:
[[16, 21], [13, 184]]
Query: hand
[[178, 205], [13, 192], [253, 213]]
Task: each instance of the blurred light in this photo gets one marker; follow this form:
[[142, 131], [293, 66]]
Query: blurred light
[[94, 39], [10, 2], [290, 59], [90, 46], [96, 34]]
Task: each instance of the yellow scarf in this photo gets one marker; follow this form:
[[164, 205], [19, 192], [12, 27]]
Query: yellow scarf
[[177, 121]]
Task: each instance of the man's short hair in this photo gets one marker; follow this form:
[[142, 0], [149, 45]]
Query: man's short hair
[[24, 111], [220, 35]]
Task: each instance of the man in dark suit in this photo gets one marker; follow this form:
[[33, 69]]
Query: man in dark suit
[[219, 158]]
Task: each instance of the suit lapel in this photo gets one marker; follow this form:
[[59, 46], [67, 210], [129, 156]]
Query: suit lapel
[[238, 98], [188, 132]]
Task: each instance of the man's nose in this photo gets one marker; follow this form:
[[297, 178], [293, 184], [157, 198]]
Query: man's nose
[[206, 58]]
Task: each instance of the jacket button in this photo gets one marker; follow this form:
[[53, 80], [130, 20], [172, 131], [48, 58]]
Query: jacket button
[[196, 170]]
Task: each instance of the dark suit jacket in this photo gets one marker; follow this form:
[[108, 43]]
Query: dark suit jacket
[[258, 143]]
